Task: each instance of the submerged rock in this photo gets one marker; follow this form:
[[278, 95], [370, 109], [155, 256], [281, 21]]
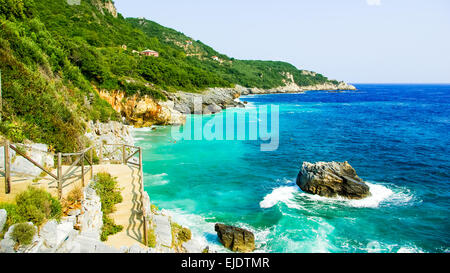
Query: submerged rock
[[331, 179], [235, 239]]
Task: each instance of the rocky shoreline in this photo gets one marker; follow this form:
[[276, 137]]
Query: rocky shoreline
[[144, 111]]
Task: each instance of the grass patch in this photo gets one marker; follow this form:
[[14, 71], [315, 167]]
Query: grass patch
[[180, 234], [151, 236], [106, 187]]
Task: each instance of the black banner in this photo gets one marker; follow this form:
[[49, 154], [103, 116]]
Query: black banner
[[168, 263]]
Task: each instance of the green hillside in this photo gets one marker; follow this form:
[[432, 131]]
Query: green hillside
[[53, 55]]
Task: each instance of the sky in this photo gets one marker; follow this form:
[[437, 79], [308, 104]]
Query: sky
[[357, 41]]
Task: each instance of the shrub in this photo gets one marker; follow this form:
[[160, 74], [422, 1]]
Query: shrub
[[151, 237], [23, 233], [13, 216], [180, 234], [106, 188], [37, 205], [109, 228], [75, 195]]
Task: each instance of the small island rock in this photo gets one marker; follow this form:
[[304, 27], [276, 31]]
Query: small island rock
[[331, 179]]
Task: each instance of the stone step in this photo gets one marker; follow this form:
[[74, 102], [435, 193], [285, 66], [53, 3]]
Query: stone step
[[163, 230]]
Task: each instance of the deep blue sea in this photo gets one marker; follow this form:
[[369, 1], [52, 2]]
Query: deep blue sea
[[397, 137]]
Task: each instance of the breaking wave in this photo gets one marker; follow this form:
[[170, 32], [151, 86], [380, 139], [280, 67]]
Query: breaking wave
[[380, 195]]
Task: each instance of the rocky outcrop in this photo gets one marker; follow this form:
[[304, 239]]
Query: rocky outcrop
[[143, 111], [208, 102], [292, 87], [331, 179], [235, 239], [105, 6], [112, 132], [3, 217], [91, 219]]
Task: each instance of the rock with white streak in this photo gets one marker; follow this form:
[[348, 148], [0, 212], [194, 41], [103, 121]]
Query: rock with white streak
[[3, 218], [91, 219]]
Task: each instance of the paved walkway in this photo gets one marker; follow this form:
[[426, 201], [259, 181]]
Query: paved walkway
[[128, 213]]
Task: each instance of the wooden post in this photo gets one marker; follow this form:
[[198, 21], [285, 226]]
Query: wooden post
[[59, 174], [7, 169], [100, 154], [144, 216], [124, 155], [1, 98], [82, 168], [92, 162]]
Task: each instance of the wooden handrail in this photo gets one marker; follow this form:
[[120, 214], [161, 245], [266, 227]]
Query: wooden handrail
[[31, 160]]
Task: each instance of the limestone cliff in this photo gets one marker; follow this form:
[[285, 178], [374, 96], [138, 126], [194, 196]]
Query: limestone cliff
[[143, 111], [105, 5]]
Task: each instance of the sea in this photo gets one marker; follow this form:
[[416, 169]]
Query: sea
[[396, 136]]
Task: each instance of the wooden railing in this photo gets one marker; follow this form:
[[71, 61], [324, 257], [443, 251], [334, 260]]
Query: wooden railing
[[79, 161], [127, 153]]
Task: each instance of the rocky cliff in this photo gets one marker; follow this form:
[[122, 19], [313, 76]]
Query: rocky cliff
[[144, 111], [105, 6]]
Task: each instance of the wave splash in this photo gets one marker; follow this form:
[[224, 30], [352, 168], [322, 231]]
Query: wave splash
[[379, 194], [283, 194]]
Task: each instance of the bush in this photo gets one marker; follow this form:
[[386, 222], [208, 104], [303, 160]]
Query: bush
[[180, 234], [109, 228], [37, 205], [151, 237], [106, 188], [23, 233], [75, 195], [13, 216]]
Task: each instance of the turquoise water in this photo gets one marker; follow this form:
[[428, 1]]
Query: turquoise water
[[395, 136]]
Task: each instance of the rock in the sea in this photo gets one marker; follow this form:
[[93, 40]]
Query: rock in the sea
[[331, 179], [235, 239]]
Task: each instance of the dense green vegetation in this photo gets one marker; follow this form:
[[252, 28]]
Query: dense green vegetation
[[33, 205], [106, 187], [53, 56]]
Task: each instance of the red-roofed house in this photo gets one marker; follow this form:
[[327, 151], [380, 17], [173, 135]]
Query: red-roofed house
[[149, 52]]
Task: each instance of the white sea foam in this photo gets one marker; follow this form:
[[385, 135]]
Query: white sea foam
[[380, 194], [283, 194], [202, 231], [157, 179], [380, 247], [143, 129]]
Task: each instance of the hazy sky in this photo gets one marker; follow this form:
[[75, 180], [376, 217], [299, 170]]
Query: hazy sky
[[352, 40]]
